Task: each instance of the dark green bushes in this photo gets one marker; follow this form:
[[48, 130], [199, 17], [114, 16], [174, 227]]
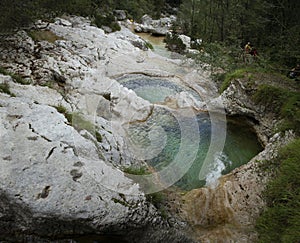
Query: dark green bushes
[[107, 20], [280, 222], [283, 102], [174, 43]]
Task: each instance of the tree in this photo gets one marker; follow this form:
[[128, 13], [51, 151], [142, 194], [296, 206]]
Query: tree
[[273, 25]]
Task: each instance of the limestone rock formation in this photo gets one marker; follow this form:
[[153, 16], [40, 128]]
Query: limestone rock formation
[[62, 138], [155, 27], [228, 212]]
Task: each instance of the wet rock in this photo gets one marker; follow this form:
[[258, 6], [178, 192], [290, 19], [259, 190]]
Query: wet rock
[[230, 209]]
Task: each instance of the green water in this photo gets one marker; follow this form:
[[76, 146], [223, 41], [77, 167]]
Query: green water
[[154, 89], [241, 143], [240, 146], [158, 44]]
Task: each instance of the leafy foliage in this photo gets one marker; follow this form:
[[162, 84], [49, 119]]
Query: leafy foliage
[[280, 222], [284, 102], [107, 20], [272, 26]]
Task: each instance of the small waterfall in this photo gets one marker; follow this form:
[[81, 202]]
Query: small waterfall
[[217, 166]]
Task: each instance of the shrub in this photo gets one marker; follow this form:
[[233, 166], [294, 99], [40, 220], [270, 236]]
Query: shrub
[[280, 222], [106, 20], [284, 103], [174, 43]]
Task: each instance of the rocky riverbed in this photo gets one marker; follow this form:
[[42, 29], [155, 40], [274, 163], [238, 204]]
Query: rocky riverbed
[[63, 176]]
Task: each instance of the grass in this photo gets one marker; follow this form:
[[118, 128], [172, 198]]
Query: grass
[[4, 88], [282, 102], [16, 77], [44, 35], [79, 123], [149, 45], [133, 170], [280, 222], [239, 73]]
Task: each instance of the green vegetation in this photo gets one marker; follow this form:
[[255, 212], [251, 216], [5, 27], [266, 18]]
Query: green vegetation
[[174, 43], [124, 203], [106, 20], [16, 78], [149, 45], [4, 88], [158, 199], [79, 123], [134, 170], [283, 102], [43, 35], [239, 73], [20, 14], [280, 222], [271, 25]]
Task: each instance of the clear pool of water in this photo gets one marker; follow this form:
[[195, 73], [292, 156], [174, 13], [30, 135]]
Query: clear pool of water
[[240, 146], [164, 143]]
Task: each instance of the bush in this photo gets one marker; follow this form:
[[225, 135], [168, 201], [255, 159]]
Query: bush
[[174, 43], [108, 20], [280, 222], [284, 103]]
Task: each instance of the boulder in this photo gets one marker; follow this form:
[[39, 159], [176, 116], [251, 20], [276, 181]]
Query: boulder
[[155, 27], [120, 14]]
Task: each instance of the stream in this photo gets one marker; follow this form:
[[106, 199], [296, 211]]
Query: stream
[[163, 133], [240, 146]]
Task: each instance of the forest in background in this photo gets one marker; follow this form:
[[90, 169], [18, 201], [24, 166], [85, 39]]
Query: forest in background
[[272, 26]]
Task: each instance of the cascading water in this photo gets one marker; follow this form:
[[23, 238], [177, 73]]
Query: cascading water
[[240, 146]]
